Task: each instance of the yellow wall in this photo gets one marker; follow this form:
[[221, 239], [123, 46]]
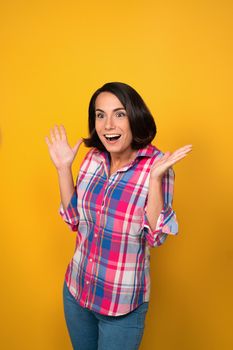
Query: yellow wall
[[178, 55]]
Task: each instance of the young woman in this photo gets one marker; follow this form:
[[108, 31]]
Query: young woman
[[120, 206]]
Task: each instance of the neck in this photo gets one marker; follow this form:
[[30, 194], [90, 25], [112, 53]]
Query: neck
[[118, 160]]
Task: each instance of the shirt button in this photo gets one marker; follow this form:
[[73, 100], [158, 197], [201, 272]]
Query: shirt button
[[98, 212], [87, 282], [91, 260], [95, 235]]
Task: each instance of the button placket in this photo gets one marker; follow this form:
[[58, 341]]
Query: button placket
[[91, 261], [88, 282]]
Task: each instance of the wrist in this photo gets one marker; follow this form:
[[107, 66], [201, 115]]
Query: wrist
[[156, 179], [64, 170]]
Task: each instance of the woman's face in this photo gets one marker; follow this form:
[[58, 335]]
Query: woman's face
[[112, 124]]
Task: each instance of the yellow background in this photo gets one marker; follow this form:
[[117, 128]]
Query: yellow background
[[178, 56]]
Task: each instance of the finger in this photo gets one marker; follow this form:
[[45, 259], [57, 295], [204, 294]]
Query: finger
[[52, 136], [162, 159], [57, 133], [63, 133], [187, 147], [174, 159], [177, 159], [181, 151], [48, 141], [77, 145], [168, 156]]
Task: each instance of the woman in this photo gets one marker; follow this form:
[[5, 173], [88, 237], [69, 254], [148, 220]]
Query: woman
[[120, 206]]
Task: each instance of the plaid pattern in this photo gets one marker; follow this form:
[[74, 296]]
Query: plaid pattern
[[109, 272]]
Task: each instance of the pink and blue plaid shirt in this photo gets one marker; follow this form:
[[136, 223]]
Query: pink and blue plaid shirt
[[110, 270]]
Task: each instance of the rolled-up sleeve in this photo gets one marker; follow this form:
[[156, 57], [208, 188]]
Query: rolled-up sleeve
[[167, 222], [71, 215]]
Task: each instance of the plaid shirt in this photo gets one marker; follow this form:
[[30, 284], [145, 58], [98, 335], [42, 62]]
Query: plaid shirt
[[109, 272]]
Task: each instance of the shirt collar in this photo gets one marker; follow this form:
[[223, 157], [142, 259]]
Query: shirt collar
[[147, 151]]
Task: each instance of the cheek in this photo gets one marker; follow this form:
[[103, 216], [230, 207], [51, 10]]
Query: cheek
[[127, 129], [97, 128], [130, 136]]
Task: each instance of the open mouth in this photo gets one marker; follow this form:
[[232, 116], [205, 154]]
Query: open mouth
[[114, 137]]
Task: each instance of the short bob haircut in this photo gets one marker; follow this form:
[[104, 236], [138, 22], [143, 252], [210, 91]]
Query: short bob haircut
[[141, 121]]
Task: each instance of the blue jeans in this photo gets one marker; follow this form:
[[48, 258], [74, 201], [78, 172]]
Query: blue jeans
[[90, 330]]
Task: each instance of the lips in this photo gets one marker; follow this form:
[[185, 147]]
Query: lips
[[112, 137]]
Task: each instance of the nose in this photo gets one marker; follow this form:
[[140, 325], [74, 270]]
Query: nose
[[109, 123]]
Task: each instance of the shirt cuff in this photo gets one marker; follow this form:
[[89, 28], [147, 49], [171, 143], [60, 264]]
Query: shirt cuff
[[166, 224], [70, 215]]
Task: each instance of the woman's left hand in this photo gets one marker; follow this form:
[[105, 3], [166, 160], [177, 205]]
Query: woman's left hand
[[168, 159]]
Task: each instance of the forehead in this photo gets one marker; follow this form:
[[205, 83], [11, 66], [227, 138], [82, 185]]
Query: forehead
[[107, 101]]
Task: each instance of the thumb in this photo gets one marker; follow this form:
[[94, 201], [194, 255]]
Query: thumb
[[165, 156], [77, 145]]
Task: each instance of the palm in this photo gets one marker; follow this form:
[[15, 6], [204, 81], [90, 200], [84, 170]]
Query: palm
[[60, 151], [168, 159]]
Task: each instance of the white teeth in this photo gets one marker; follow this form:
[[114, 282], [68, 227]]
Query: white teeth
[[116, 135]]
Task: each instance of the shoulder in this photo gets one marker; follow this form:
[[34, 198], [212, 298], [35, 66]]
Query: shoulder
[[95, 154], [92, 158], [150, 152], [154, 153]]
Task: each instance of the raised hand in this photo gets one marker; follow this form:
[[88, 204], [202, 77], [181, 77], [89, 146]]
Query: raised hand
[[161, 165], [60, 152]]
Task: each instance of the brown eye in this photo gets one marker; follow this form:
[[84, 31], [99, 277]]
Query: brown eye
[[99, 115], [120, 114]]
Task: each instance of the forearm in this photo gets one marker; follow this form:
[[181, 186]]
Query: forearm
[[155, 201], [66, 185]]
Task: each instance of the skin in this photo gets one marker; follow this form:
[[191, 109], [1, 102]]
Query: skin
[[111, 121], [62, 156]]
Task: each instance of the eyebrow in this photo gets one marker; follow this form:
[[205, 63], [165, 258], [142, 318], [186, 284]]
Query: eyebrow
[[116, 109]]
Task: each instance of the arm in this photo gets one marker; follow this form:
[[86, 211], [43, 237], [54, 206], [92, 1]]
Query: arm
[[70, 215], [66, 185], [155, 201], [68, 207], [62, 156], [160, 219]]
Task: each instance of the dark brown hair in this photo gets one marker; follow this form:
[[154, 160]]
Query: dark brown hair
[[141, 121]]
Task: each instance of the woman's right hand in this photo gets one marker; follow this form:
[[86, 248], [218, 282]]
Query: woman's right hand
[[60, 152]]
